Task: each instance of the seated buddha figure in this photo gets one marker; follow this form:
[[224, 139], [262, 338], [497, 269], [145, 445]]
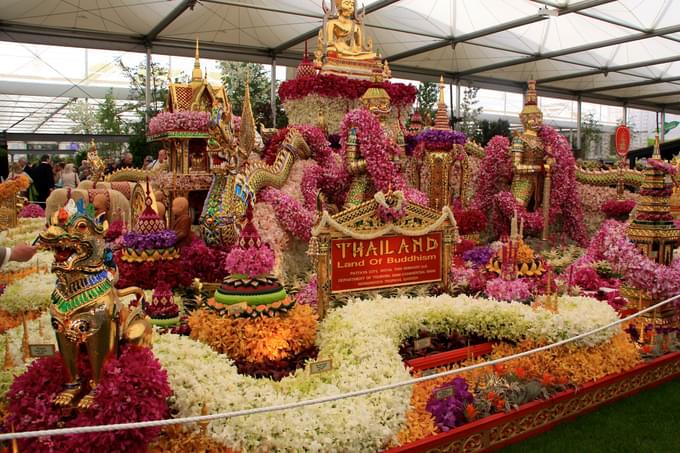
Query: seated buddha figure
[[528, 152], [344, 35]]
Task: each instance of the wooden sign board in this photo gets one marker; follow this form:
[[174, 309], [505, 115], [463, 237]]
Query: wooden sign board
[[385, 262], [320, 366]]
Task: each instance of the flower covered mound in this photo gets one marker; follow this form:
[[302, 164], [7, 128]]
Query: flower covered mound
[[32, 211], [362, 339], [256, 340], [133, 388], [182, 121]]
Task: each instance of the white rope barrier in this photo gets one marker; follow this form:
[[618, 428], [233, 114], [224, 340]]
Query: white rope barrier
[[325, 399]]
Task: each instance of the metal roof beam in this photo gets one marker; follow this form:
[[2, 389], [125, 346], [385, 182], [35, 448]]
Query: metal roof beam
[[495, 29], [655, 95], [606, 70], [631, 84], [54, 112], [167, 20], [373, 7], [572, 50], [35, 137]]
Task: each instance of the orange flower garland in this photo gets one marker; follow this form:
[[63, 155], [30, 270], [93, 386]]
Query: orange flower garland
[[256, 340], [572, 364]]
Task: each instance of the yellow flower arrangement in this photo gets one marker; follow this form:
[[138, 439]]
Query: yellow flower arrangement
[[11, 187], [256, 340]]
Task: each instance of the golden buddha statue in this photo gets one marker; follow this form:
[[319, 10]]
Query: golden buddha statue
[[342, 48], [528, 152], [345, 34]]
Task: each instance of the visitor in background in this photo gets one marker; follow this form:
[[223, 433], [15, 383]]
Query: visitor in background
[[57, 169], [148, 162], [69, 177], [126, 161], [110, 165], [20, 252], [84, 171], [43, 179], [162, 162]]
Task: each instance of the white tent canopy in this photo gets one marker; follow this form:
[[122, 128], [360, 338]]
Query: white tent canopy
[[619, 52]]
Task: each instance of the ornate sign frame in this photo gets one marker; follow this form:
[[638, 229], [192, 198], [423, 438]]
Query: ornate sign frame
[[364, 223]]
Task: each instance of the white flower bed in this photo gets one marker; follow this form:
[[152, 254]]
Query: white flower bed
[[362, 339]]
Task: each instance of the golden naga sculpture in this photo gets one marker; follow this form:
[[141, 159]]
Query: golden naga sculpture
[[343, 48], [85, 308], [528, 153], [96, 164]]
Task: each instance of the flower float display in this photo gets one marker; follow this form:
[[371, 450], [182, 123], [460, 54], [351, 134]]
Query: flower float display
[[150, 240], [32, 211], [517, 258], [449, 411], [162, 308], [364, 354], [438, 139], [30, 293], [508, 290], [495, 176], [638, 271], [470, 220], [249, 290], [183, 121], [251, 319], [377, 150], [617, 209], [133, 388]]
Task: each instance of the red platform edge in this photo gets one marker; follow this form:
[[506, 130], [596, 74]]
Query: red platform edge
[[500, 430], [448, 357]]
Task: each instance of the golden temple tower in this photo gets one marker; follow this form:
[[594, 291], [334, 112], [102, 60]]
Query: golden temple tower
[[652, 229], [441, 118]]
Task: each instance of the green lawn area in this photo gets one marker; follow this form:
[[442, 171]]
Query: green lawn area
[[648, 422]]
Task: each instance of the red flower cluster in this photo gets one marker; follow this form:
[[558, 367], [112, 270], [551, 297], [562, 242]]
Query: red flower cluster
[[617, 208], [333, 86], [133, 388], [470, 220]]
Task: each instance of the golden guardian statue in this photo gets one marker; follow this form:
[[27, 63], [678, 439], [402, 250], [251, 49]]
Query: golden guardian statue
[[86, 310]]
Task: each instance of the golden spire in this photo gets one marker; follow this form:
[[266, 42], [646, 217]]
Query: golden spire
[[196, 74], [441, 90], [657, 150], [247, 133], [441, 118]]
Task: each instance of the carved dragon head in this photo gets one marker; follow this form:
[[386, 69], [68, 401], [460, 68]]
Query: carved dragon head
[[76, 237]]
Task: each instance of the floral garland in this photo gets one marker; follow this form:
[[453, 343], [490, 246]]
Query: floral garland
[[291, 214], [334, 86], [612, 244], [376, 150], [496, 173], [363, 341], [184, 121]]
